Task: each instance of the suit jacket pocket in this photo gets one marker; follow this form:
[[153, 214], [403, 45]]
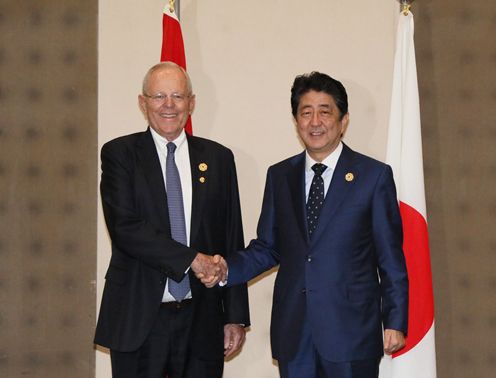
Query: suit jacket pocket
[[363, 292], [116, 275]]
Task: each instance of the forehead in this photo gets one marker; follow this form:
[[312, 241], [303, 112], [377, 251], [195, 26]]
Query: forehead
[[315, 99], [167, 78]]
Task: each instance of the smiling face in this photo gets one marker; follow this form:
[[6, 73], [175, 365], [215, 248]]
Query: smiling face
[[166, 101], [319, 124]]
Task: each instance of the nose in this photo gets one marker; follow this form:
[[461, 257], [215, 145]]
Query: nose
[[168, 102], [315, 121]]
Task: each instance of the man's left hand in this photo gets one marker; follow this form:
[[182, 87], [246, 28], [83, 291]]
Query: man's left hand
[[393, 341], [234, 337]]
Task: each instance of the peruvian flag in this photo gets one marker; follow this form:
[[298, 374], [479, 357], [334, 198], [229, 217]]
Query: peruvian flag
[[404, 154], [172, 43]]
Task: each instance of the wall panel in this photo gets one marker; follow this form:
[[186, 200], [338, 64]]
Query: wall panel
[[456, 57], [47, 187]]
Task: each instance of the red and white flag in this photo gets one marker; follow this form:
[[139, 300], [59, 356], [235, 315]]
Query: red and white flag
[[172, 43], [404, 154]]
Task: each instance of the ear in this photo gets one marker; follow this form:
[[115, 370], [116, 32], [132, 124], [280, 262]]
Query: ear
[[344, 123], [142, 104], [192, 103]]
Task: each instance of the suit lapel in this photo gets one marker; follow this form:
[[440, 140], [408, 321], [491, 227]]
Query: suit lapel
[[149, 161], [341, 185], [199, 188], [296, 185]]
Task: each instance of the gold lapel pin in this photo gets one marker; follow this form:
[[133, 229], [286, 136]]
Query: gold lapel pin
[[203, 167], [202, 179], [349, 177]]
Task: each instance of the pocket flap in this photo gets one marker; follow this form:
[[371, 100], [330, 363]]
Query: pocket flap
[[363, 291], [116, 274]]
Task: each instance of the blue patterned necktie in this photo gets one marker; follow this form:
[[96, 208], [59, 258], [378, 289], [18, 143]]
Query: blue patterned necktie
[[315, 198], [178, 290]]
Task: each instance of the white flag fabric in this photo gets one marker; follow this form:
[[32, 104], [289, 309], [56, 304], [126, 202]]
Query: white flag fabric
[[404, 154]]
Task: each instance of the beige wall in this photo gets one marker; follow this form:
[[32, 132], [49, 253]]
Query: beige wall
[[242, 57]]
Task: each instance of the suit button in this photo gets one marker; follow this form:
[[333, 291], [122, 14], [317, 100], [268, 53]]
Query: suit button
[[309, 258], [304, 291]]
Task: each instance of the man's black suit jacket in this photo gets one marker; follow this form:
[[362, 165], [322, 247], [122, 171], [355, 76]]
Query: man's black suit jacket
[[144, 255]]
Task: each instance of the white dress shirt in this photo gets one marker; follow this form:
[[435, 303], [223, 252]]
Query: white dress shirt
[[181, 156], [330, 161]]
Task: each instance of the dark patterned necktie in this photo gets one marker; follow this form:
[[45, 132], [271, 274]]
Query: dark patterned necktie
[[315, 198], [178, 290]]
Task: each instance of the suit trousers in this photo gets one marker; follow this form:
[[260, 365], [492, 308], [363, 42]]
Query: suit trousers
[[309, 364], [166, 352]]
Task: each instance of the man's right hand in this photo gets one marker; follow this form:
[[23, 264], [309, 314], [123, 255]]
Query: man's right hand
[[210, 270]]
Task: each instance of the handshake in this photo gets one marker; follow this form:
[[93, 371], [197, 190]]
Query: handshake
[[210, 270]]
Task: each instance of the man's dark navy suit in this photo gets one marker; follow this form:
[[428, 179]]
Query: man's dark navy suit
[[350, 279]]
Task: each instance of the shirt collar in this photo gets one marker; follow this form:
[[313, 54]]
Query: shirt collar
[[330, 161], [161, 142]]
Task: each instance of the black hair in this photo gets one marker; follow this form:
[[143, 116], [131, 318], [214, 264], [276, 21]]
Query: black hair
[[319, 82]]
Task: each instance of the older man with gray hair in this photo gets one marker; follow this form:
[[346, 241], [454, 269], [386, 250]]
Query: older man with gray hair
[[166, 196]]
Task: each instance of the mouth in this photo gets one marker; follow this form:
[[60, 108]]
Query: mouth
[[316, 133], [168, 115]]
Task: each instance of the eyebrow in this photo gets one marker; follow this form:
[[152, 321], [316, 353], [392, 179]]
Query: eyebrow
[[319, 106]]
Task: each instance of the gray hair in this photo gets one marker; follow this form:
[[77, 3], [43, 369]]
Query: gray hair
[[165, 65]]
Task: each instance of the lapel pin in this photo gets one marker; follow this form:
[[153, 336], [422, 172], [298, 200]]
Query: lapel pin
[[349, 177], [203, 167], [202, 179]]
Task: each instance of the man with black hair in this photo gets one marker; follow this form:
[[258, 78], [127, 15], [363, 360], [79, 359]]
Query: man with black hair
[[330, 220]]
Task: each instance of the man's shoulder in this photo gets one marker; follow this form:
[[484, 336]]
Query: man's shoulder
[[208, 144], [124, 140], [126, 146], [289, 162], [288, 166], [363, 159]]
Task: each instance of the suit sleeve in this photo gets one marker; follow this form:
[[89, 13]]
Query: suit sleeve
[[130, 232], [235, 299], [388, 238], [260, 255]]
